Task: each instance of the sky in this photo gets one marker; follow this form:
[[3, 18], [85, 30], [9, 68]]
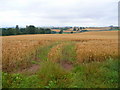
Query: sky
[[86, 13]]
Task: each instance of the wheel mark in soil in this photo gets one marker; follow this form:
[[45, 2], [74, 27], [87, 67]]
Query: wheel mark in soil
[[66, 65]]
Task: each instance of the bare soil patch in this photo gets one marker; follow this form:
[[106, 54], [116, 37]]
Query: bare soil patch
[[31, 70], [66, 64]]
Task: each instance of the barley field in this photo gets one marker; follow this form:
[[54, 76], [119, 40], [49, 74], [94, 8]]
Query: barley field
[[80, 60]]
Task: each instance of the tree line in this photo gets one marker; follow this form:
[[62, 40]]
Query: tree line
[[31, 29]]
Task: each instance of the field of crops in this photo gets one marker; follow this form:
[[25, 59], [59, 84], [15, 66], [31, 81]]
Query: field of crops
[[81, 60], [97, 28]]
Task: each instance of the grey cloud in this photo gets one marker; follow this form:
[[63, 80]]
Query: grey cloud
[[51, 12]]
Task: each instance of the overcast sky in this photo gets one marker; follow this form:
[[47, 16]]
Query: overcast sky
[[58, 12]]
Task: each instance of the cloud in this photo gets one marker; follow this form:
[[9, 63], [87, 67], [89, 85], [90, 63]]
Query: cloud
[[59, 12]]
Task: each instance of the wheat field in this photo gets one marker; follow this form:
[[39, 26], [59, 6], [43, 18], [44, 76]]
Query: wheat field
[[32, 53], [89, 45]]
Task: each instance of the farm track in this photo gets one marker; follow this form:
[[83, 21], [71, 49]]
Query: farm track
[[55, 54], [60, 54]]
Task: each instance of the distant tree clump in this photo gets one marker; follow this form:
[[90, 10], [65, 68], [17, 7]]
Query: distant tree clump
[[81, 27], [31, 29], [61, 31], [74, 29], [71, 32], [48, 31], [11, 31]]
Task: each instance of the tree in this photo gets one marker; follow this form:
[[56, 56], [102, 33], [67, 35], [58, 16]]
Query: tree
[[22, 30], [17, 30], [30, 29], [47, 31], [81, 28], [11, 31], [74, 29], [61, 31], [4, 32], [42, 31], [71, 31]]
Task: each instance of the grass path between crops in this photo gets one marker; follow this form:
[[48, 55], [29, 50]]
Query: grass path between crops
[[61, 53]]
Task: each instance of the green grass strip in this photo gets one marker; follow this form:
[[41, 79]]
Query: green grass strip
[[68, 52]]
